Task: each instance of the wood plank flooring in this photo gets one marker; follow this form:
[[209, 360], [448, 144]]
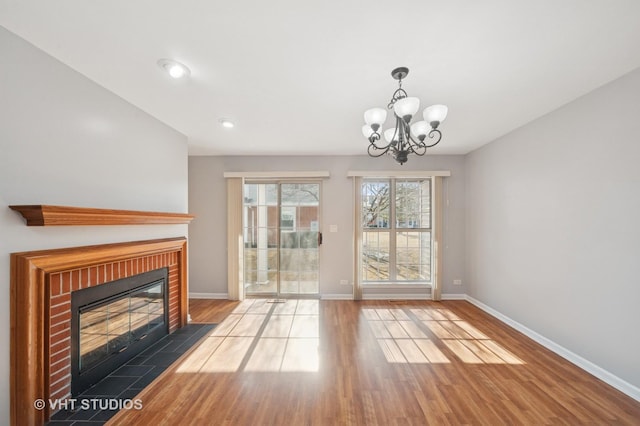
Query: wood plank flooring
[[370, 363]]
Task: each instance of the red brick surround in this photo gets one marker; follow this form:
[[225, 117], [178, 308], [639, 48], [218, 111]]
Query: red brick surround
[[61, 284], [41, 286]]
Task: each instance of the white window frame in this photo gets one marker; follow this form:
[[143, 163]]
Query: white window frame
[[393, 231], [436, 226]]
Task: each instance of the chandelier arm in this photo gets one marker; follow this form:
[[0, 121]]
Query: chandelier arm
[[375, 137], [372, 150], [432, 134], [416, 147]]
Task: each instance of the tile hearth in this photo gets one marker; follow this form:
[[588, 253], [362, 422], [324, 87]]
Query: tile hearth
[[127, 381]]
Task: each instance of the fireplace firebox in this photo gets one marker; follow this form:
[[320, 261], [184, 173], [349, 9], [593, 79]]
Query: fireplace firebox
[[112, 323]]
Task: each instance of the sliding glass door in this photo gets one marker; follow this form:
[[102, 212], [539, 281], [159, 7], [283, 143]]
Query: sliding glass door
[[281, 224]]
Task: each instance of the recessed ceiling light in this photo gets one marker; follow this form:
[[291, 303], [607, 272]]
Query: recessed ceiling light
[[226, 123], [174, 68]]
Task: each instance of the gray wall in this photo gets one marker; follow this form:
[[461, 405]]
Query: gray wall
[[207, 200], [553, 231], [66, 141]]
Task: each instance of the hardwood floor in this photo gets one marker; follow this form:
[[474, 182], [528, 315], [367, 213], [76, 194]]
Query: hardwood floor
[[373, 362]]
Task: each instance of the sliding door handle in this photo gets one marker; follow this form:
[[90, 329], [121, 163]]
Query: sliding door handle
[[319, 239]]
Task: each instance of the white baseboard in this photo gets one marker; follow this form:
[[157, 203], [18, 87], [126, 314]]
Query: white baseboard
[[418, 296], [208, 295], [408, 296], [452, 296], [337, 296], [588, 366]]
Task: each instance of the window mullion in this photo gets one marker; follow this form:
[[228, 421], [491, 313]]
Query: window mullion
[[392, 230]]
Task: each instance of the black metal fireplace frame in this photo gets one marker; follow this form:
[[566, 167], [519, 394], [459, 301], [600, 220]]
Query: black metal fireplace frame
[[82, 380]]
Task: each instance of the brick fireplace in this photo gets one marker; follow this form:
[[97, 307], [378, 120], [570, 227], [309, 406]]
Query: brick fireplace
[[41, 287]]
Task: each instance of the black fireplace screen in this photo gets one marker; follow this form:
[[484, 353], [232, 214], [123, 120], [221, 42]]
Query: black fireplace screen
[[114, 322], [113, 326]]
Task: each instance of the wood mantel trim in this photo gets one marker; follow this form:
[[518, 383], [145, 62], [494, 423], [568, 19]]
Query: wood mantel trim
[[45, 215], [29, 292]]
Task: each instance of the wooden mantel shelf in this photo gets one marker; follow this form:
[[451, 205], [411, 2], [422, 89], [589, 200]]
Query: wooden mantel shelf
[[43, 215]]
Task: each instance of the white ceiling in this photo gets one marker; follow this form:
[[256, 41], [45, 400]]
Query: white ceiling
[[296, 76]]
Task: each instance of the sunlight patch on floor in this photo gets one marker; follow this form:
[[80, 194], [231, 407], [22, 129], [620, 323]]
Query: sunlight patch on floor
[[228, 355], [268, 355], [301, 355], [261, 337], [402, 338]]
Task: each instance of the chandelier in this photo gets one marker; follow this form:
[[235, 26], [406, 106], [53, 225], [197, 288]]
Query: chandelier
[[404, 138]]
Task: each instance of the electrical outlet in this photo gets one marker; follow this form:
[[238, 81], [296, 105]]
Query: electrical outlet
[[457, 282], [344, 282]]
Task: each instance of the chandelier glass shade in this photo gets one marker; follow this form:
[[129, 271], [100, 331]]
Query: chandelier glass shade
[[405, 138]]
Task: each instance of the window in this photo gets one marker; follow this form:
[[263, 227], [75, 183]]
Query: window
[[281, 226], [396, 231], [288, 218]]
